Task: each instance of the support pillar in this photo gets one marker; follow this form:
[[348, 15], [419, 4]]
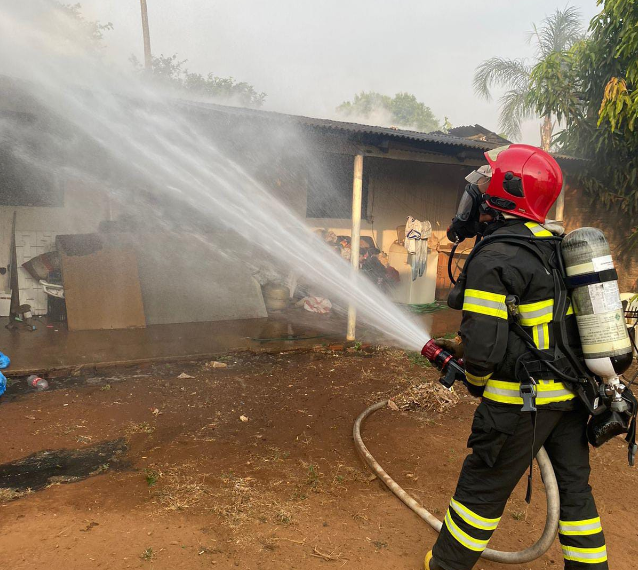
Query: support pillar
[[355, 239]]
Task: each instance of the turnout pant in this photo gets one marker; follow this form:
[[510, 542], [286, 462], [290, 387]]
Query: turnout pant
[[501, 443]]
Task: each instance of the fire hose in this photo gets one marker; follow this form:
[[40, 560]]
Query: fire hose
[[535, 551]]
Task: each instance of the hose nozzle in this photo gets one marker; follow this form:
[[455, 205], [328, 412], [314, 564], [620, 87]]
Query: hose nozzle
[[452, 369]]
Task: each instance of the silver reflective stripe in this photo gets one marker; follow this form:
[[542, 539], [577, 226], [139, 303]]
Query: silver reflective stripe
[[537, 313], [537, 229], [553, 394], [502, 392], [472, 518], [585, 555], [573, 528], [543, 341], [516, 393], [484, 302], [464, 538]]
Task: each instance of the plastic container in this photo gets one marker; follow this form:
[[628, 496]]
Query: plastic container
[[37, 383], [276, 297]]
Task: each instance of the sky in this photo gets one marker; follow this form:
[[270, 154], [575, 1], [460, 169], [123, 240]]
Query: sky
[[308, 57]]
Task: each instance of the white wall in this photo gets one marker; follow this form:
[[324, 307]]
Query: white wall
[[84, 208]]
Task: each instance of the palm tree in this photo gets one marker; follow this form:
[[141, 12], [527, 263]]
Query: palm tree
[[557, 33]]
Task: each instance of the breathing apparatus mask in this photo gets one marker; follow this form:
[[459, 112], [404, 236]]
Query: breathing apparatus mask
[[466, 223]]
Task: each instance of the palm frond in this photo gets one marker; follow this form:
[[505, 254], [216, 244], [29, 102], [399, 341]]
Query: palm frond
[[558, 32], [512, 73], [514, 110]]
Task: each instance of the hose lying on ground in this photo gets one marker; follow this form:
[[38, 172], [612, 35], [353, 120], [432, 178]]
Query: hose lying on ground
[[549, 479]]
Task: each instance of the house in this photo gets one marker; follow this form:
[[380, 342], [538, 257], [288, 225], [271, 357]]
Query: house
[[306, 163]]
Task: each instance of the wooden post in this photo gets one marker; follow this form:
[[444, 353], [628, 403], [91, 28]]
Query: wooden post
[[148, 62], [560, 203], [13, 274], [355, 239]]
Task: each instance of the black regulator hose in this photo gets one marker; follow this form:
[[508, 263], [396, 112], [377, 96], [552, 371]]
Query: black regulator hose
[[449, 262], [456, 244], [521, 557]]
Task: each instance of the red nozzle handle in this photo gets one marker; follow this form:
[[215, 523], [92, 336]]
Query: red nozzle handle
[[431, 350]]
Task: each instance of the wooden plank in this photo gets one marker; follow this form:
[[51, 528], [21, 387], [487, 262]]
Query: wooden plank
[[102, 290]]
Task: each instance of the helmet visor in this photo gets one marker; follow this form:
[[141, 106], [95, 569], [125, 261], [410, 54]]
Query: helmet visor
[[465, 207], [476, 175]]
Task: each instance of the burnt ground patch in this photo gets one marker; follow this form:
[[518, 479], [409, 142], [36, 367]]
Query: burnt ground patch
[[41, 469]]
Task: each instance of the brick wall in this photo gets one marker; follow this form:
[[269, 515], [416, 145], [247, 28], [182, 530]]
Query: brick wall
[[581, 210]]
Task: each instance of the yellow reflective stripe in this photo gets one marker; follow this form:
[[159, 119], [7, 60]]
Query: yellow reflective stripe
[[527, 307], [580, 528], [487, 295], [536, 313], [501, 314], [477, 380], [462, 537], [471, 518], [538, 230], [585, 555], [541, 336], [570, 309], [547, 392], [485, 303], [555, 399]]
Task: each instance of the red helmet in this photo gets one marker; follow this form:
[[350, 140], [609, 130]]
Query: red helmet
[[526, 181]]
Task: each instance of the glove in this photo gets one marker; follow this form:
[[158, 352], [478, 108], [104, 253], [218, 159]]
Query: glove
[[452, 345], [3, 383], [4, 361]]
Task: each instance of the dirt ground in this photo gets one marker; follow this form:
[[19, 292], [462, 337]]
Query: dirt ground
[[253, 466]]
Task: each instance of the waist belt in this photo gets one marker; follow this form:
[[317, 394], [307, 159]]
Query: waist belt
[[547, 392], [539, 370]]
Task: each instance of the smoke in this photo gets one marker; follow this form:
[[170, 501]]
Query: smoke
[[167, 164], [379, 117]]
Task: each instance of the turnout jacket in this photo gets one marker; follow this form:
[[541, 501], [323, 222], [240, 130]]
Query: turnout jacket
[[494, 354]]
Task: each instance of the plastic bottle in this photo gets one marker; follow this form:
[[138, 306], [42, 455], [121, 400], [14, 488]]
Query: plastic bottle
[[40, 384]]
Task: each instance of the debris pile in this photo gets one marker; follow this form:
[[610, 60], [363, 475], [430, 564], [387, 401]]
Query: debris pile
[[427, 396]]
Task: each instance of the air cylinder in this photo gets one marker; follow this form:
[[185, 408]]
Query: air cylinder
[[593, 284]]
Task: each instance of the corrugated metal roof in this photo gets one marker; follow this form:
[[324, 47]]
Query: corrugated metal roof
[[478, 132], [342, 126], [371, 130]]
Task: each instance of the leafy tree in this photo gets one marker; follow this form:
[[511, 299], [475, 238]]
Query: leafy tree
[[168, 70], [593, 88], [91, 30], [446, 126], [556, 34], [171, 71], [402, 110]]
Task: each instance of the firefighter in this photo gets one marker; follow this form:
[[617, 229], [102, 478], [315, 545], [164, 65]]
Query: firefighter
[[512, 197]]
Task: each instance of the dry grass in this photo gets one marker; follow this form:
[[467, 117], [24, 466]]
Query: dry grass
[[243, 500], [177, 489], [343, 474], [428, 396], [142, 427], [237, 500]]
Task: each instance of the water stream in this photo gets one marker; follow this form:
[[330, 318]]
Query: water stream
[[134, 140]]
